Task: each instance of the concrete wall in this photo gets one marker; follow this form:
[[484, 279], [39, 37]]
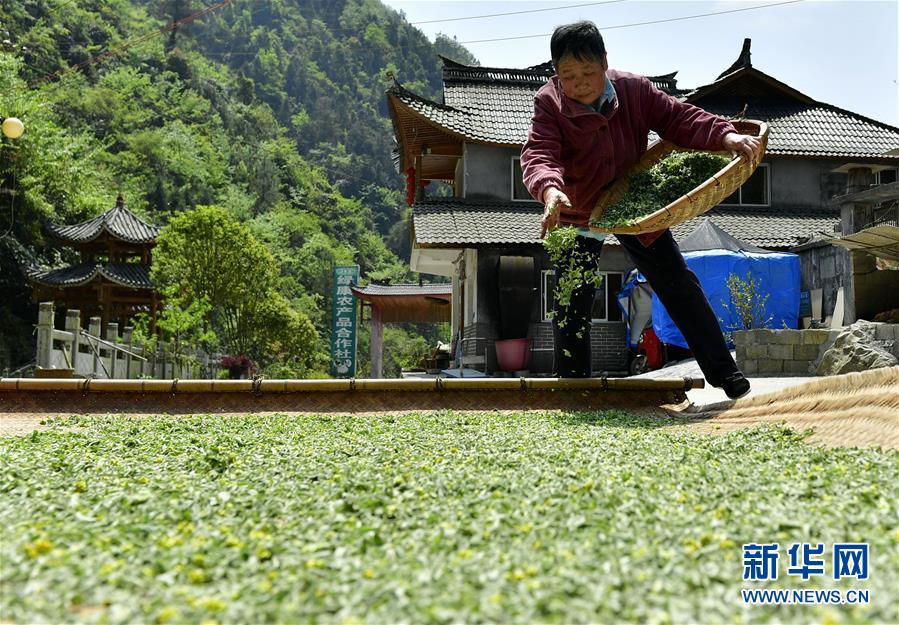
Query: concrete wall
[[827, 267], [488, 172], [794, 182], [804, 183]]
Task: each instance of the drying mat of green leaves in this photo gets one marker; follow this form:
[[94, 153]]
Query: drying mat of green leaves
[[437, 517]]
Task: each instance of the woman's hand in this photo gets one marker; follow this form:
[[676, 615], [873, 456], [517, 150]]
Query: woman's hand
[[552, 198], [748, 145]]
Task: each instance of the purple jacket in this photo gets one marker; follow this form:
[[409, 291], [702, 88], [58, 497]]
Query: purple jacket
[[581, 151]]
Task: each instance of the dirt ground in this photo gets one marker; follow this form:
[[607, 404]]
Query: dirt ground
[[852, 410]]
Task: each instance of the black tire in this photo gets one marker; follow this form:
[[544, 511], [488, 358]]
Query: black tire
[[638, 365]]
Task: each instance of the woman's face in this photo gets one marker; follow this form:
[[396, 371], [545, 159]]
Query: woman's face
[[583, 81]]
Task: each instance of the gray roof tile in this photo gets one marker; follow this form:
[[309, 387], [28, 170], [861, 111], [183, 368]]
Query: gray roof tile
[[132, 275], [495, 106], [404, 289], [472, 222], [118, 221], [818, 129], [454, 222]]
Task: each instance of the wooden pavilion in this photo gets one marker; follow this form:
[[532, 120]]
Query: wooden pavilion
[[399, 303], [112, 280]]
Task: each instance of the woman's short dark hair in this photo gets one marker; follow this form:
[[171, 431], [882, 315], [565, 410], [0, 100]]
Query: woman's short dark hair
[[580, 40]]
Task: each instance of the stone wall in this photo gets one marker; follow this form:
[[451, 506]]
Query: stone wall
[[776, 353]]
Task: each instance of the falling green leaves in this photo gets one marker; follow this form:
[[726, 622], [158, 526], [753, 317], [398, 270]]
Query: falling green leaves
[[579, 266]]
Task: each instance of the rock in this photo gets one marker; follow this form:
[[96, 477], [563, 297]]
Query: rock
[[856, 349], [888, 316]]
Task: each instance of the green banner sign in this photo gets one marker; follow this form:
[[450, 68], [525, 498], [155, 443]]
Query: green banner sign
[[343, 323]]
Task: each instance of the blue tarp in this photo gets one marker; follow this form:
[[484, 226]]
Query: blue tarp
[[777, 276]]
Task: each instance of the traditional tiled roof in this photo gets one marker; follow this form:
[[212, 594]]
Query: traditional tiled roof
[[814, 130], [132, 275], [118, 221], [495, 105], [668, 84], [771, 228], [490, 104], [453, 222], [404, 289]]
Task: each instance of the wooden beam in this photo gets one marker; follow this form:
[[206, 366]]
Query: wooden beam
[[445, 149]]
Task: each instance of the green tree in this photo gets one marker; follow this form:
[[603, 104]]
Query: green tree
[[747, 302], [50, 174], [185, 329], [452, 49], [205, 255], [275, 108]]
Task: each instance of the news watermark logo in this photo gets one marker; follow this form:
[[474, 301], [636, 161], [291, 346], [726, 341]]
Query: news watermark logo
[[806, 560]]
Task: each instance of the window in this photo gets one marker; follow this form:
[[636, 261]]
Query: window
[[548, 288], [605, 304], [519, 191], [886, 176], [755, 191]]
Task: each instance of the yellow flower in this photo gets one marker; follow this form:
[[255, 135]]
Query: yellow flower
[[197, 576], [212, 604], [38, 547], [167, 614]]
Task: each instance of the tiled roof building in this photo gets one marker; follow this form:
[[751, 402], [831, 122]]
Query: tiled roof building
[[471, 137], [482, 223], [113, 278], [493, 107]]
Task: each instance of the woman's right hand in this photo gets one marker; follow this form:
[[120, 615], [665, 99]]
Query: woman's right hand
[[552, 198]]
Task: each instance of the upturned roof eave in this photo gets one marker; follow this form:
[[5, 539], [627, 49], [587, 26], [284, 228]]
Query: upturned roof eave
[[98, 270], [705, 90], [396, 104], [103, 226]]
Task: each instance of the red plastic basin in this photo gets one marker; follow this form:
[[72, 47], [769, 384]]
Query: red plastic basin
[[513, 354]]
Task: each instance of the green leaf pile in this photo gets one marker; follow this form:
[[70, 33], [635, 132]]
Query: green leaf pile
[[428, 518], [658, 186]]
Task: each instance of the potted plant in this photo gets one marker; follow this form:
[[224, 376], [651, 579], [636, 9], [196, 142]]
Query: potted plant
[[239, 366]]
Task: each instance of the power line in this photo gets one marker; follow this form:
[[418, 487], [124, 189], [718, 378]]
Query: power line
[[670, 19], [59, 6], [478, 17]]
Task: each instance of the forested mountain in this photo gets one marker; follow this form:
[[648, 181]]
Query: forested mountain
[[271, 109]]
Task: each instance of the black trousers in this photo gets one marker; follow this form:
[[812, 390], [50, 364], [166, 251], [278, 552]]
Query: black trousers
[[676, 286]]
